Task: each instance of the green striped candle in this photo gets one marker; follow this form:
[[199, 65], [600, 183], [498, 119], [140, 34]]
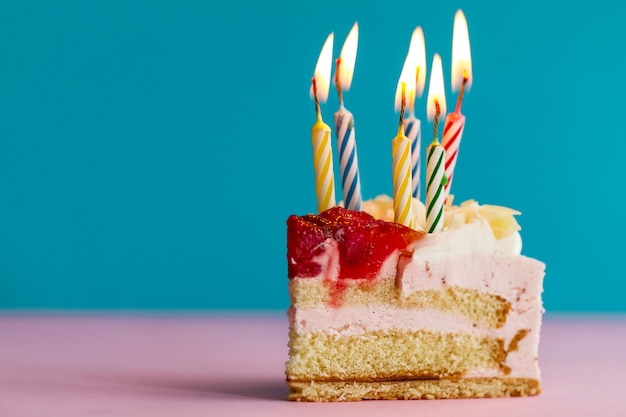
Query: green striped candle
[[436, 181], [435, 153]]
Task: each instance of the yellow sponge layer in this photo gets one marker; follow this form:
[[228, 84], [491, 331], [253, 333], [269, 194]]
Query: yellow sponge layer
[[393, 354]]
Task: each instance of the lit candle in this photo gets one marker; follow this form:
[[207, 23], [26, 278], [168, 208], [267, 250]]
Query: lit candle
[[401, 150], [320, 132], [436, 178], [461, 81], [414, 70], [344, 124]]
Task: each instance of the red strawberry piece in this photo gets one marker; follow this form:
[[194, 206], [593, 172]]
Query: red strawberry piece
[[305, 238], [364, 243]]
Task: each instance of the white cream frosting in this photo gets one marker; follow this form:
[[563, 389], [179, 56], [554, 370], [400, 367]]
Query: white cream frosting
[[501, 219]]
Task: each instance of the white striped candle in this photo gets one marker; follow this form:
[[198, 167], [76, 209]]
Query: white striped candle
[[348, 159], [412, 129], [436, 180], [452, 134]]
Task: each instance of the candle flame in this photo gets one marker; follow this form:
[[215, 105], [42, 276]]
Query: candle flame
[[461, 53], [322, 69], [406, 84], [414, 70], [348, 58], [417, 49], [436, 91]]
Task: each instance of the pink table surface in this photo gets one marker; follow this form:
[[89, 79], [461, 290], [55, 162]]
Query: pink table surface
[[217, 365]]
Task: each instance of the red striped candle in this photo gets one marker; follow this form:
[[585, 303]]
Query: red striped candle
[[461, 81], [452, 133]]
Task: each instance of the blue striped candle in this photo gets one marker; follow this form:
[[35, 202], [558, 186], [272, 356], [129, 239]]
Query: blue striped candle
[[348, 159], [412, 130]]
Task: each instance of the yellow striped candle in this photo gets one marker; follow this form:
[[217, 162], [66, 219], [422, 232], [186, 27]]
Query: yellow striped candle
[[401, 149], [402, 202], [435, 155], [323, 163], [320, 132], [414, 74]]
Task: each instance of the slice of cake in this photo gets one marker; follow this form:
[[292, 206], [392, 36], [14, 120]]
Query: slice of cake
[[381, 311]]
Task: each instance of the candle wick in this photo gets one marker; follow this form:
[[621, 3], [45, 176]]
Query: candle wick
[[459, 100], [402, 106], [338, 82], [437, 111], [318, 110]]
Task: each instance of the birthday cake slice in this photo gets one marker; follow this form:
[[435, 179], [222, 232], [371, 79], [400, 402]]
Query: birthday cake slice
[[382, 311]]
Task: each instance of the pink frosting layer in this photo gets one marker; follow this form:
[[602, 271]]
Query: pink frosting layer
[[469, 257]]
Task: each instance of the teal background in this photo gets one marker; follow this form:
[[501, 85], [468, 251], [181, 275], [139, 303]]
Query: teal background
[[151, 151]]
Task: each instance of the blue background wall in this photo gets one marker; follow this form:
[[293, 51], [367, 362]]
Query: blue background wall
[[150, 151]]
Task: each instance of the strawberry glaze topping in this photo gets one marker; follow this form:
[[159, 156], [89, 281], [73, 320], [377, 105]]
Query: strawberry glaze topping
[[363, 242]]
